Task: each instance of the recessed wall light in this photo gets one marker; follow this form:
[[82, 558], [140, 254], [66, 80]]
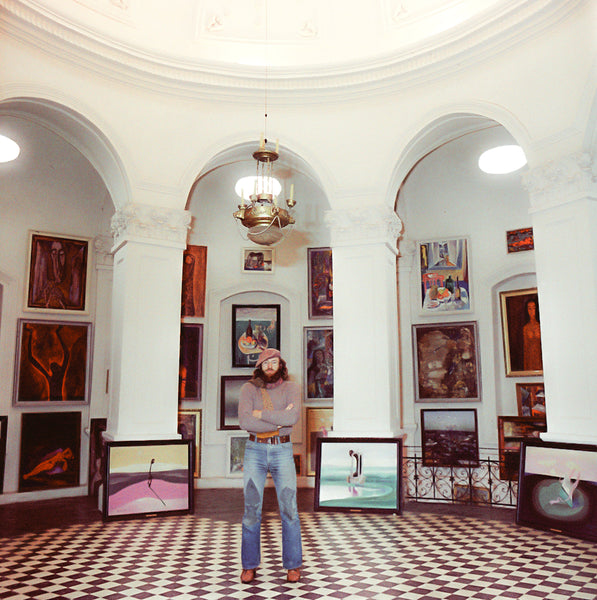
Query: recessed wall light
[[9, 149], [502, 160]]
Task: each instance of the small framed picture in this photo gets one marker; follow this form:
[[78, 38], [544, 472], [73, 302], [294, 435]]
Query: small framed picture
[[58, 273], [521, 331], [450, 437], [512, 431], [144, 478], [53, 365], [190, 363], [557, 488], [258, 260], [446, 361], [362, 474], [50, 451], [520, 240], [229, 396], [189, 427], [255, 327], [318, 361], [321, 283], [320, 421], [97, 455], [236, 454], [444, 275], [531, 400]]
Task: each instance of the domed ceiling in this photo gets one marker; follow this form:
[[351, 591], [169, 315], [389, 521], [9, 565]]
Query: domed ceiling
[[304, 43]]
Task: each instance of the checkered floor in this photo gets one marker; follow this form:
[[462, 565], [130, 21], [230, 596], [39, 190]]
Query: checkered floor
[[414, 556]]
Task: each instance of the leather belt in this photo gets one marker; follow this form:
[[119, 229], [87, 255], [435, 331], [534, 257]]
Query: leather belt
[[274, 439]]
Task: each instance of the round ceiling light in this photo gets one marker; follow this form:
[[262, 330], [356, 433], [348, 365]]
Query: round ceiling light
[[252, 184], [9, 149], [502, 160]]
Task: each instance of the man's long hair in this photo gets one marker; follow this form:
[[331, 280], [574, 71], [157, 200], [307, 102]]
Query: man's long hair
[[259, 378]]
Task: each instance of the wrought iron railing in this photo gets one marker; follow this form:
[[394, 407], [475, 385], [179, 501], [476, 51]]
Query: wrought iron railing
[[479, 484]]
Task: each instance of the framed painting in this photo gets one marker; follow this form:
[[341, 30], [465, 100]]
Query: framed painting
[[97, 455], [259, 260], [190, 363], [321, 283], [3, 434], [512, 431], [50, 451], [146, 478], [521, 332], [189, 427], [362, 474], [194, 270], [320, 421], [444, 275], [255, 327], [229, 395], [520, 240], [447, 362], [531, 399], [450, 437], [53, 363], [297, 464], [236, 455], [557, 488], [58, 273], [318, 361]]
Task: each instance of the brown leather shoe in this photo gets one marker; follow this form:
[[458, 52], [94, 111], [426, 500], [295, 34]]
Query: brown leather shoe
[[248, 575], [293, 575]]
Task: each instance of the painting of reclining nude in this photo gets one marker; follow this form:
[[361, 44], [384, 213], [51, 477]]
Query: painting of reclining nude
[[358, 474], [449, 437]]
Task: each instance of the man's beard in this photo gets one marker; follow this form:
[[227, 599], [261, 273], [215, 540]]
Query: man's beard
[[273, 377]]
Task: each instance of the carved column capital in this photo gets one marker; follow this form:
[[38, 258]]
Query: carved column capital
[[364, 225], [560, 181], [143, 222], [104, 259]]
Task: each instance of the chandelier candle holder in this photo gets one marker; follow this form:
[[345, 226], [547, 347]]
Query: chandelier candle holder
[[260, 212]]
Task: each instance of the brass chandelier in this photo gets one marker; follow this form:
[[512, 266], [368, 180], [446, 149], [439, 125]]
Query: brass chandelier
[[260, 213]]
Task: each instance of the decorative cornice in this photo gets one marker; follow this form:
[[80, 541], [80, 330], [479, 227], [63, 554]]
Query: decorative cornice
[[561, 181], [487, 35], [141, 222], [367, 225]]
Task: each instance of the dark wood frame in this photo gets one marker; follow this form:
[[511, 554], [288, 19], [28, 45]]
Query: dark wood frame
[[440, 451], [543, 503], [191, 359], [445, 345], [46, 342], [330, 476], [149, 500], [320, 277], [512, 431], [251, 357], [228, 405], [3, 434], [194, 435]]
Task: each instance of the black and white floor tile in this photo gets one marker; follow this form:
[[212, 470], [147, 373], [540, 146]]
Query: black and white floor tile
[[414, 556]]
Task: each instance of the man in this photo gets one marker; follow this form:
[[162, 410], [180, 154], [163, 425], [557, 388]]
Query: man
[[269, 405]]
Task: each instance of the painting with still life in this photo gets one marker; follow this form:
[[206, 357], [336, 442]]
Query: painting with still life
[[148, 477], [444, 268], [558, 488], [358, 474], [254, 328]]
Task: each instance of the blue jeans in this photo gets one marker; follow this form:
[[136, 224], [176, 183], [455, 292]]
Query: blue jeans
[[259, 459]]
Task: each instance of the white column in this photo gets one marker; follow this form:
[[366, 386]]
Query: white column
[[406, 258], [366, 384], [564, 214], [148, 250]]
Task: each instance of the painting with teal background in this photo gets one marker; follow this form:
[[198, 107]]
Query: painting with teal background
[[358, 474]]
